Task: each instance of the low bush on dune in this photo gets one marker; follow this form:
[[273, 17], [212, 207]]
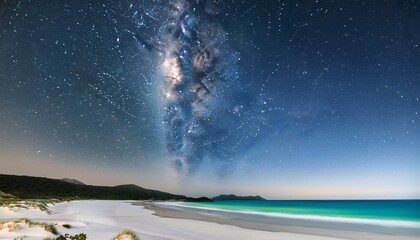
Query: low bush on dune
[[50, 228], [66, 236], [126, 235]]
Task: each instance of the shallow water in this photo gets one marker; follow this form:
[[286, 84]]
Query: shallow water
[[383, 212]]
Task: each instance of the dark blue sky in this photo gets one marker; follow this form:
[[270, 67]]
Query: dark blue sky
[[302, 99]]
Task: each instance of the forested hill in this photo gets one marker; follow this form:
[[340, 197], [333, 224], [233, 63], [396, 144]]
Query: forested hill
[[39, 187]]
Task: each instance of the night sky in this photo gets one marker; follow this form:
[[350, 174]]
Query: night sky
[[286, 99]]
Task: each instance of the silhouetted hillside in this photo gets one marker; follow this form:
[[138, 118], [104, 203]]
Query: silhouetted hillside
[[39, 187], [74, 181]]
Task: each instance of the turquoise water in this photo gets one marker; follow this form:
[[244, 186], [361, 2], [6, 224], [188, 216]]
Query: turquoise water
[[403, 210]]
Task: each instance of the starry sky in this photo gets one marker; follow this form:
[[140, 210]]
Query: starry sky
[[286, 99]]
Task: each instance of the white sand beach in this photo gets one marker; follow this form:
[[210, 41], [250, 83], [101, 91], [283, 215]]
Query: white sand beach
[[104, 219]]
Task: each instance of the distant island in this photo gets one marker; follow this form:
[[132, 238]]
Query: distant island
[[234, 197], [200, 199]]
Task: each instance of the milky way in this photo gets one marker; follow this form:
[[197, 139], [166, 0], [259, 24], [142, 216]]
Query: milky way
[[206, 112]]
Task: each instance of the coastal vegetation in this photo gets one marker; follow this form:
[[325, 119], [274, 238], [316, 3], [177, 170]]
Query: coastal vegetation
[[12, 225], [16, 203], [15, 225], [126, 235]]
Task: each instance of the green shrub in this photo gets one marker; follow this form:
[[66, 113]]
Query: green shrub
[[66, 236], [127, 232], [51, 228]]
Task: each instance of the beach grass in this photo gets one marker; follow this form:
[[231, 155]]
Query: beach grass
[[11, 202], [13, 225], [6, 195], [126, 235]]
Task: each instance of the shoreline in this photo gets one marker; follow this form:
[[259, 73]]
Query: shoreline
[[285, 225]]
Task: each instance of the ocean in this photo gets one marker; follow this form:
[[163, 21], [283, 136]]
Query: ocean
[[403, 213]]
